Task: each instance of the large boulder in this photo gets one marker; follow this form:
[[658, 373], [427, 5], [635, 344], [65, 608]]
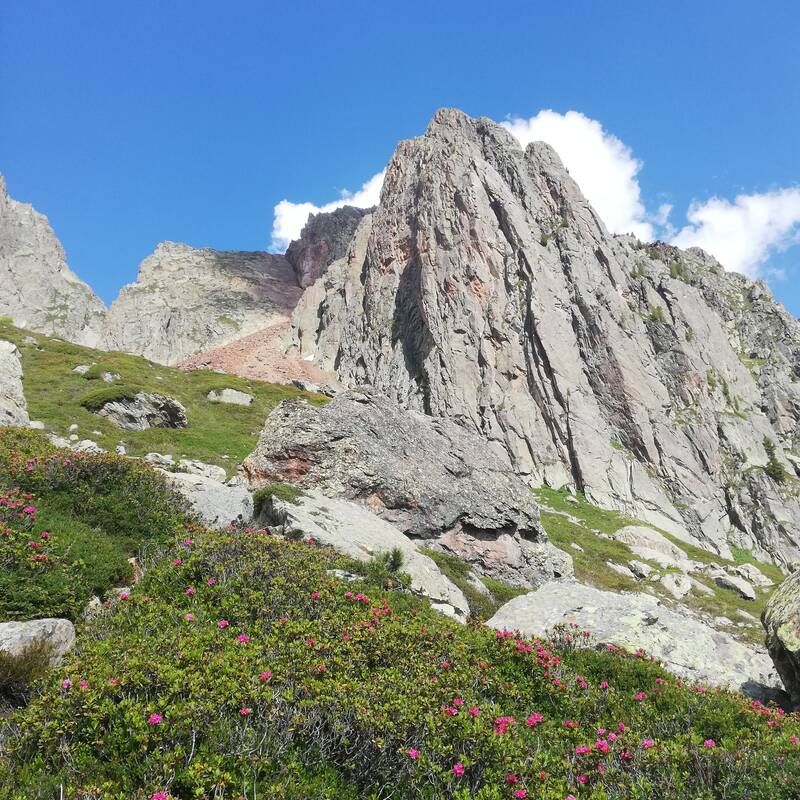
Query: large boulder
[[356, 532], [781, 621], [58, 633], [430, 478], [145, 410], [215, 504], [686, 646], [13, 409]]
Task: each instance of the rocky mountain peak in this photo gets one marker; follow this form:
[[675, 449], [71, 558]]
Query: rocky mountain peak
[[485, 288], [37, 288]]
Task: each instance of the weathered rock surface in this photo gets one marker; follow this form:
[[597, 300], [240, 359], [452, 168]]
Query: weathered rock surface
[[16, 636], [215, 504], [13, 408], [145, 410], [737, 584], [231, 396], [355, 531], [324, 239], [187, 300], [193, 467], [484, 288], [37, 288], [676, 584], [430, 478], [781, 621], [685, 645]]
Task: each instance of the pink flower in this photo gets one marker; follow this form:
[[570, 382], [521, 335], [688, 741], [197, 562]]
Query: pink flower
[[223, 623], [647, 744], [474, 711], [512, 779], [187, 542], [159, 796], [211, 581], [570, 723], [155, 719], [124, 595], [189, 617], [348, 595], [612, 737], [602, 746], [534, 719], [315, 595], [583, 749], [412, 753], [521, 793], [243, 638], [245, 712], [66, 684], [582, 779], [571, 797], [83, 684], [265, 676], [450, 711], [502, 724], [794, 740], [458, 770], [113, 681], [177, 562], [458, 701], [191, 591], [44, 535], [604, 685], [709, 743], [639, 696]]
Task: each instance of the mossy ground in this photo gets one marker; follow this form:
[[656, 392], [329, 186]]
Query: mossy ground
[[575, 520], [218, 433]]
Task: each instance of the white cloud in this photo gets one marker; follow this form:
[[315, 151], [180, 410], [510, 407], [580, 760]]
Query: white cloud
[[603, 166], [290, 217], [743, 234]]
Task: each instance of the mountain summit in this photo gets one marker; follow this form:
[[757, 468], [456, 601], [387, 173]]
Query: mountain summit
[[485, 288]]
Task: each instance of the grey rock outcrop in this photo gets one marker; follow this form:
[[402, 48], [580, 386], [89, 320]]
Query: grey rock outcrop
[[324, 239], [736, 584], [230, 396], [430, 478], [186, 300], [215, 504], [686, 646], [781, 621], [356, 532], [58, 633], [145, 410], [37, 288], [485, 289], [13, 408]]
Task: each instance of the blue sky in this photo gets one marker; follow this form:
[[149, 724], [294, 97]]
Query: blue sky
[[132, 123]]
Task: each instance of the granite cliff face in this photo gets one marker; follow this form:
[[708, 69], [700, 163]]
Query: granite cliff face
[[37, 288], [186, 300], [484, 288]]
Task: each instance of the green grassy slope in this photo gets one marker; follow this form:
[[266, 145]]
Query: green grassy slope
[[218, 433], [574, 520]]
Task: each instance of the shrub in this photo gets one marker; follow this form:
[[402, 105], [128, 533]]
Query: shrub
[[385, 570], [240, 662], [656, 314], [97, 398], [19, 672], [774, 468], [283, 491]]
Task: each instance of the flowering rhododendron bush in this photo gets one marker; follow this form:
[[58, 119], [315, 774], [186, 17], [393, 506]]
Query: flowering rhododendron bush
[[70, 521], [240, 668]]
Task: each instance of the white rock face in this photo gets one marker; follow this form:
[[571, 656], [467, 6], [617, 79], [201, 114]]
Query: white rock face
[[13, 408], [353, 530], [677, 585], [685, 645], [215, 504], [16, 636], [484, 288], [187, 300], [232, 396], [37, 288], [201, 468], [653, 546]]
